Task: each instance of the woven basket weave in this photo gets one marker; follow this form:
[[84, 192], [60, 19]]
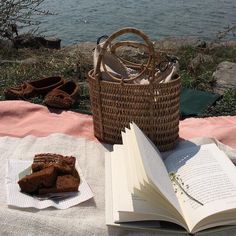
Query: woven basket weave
[[154, 107]]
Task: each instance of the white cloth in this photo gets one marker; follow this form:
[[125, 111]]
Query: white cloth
[[87, 218], [84, 219], [113, 64]]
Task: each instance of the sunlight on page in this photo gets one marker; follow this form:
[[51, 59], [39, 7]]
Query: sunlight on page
[[195, 187], [208, 176]]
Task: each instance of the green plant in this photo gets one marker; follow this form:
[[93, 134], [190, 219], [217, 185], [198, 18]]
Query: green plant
[[16, 14], [225, 106], [179, 185]]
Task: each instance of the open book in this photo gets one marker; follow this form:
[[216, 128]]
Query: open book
[[194, 187]]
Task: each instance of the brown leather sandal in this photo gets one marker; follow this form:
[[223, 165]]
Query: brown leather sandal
[[33, 88], [64, 96]]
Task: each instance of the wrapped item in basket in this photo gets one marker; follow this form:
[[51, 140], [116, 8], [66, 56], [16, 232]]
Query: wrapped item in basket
[[122, 91]]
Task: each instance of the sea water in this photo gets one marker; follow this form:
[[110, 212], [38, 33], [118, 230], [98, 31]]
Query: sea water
[[85, 20]]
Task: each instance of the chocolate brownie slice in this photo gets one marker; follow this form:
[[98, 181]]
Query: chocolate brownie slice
[[64, 183], [43, 178], [63, 164]]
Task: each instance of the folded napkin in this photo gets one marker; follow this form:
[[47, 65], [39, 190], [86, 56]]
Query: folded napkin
[[19, 199]]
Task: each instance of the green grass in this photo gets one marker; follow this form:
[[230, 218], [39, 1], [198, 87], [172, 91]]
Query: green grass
[[202, 78], [49, 63], [75, 66], [226, 106]]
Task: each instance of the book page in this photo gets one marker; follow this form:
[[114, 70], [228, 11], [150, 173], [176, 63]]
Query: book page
[[154, 167], [122, 197], [138, 181], [133, 176], [126, 206], [204, 180]]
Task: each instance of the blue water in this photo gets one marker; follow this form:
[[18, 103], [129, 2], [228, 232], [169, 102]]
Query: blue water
[[85, 20]]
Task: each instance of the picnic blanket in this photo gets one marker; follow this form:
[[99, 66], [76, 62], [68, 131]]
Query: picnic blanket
[[28, 128], [85, 219], [20, 118]]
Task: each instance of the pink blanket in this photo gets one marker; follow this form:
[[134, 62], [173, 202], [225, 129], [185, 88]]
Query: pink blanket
[[20, 118], [222, 128]]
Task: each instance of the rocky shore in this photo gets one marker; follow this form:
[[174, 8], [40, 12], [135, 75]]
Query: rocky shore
[[224, 75], [207, 66]]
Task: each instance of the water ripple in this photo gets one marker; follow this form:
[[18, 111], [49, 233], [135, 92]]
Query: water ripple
[[82, 20]]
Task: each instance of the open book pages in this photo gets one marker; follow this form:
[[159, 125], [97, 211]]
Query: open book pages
[[193, 187]]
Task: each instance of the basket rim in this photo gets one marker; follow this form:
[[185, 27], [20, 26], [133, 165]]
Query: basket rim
[[91, 76]]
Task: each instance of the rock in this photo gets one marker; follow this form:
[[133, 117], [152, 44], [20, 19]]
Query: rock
[[171, 43], [4, 62], [202, 44], [6, 44], [85, 49], [28, 41], [231, 43], [198, 60], [31, 41], [225, 76], [28, 61], [52, 42], [83, 55]]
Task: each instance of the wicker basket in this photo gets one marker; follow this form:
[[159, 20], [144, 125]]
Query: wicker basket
[[154, 107]]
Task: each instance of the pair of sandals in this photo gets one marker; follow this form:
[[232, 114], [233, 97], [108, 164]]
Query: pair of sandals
[[57, 92]]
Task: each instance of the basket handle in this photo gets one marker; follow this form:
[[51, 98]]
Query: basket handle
[[134, 44], [150, 66]]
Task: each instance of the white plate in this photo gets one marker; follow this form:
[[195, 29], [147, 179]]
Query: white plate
[[18, 199]]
